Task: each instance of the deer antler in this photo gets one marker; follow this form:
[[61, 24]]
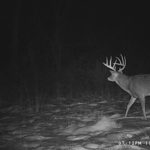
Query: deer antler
[[109, 64], [122, 62]]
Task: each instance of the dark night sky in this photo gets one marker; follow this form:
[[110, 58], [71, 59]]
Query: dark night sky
[[95, 28], [34, 33]]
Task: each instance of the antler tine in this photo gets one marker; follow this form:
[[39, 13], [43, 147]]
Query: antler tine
[[123, 63], [110, 61], [125, 60], [114, 64], [108, 64], [119, 61], [107, 61]]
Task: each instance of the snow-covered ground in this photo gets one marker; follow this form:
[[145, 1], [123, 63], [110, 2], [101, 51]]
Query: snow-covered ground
[[77, 126]]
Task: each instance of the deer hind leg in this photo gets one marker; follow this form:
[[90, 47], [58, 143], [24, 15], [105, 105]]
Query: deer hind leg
[[132, 100], [142, 100]]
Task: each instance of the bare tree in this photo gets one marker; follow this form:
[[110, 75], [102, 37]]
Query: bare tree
[[60, 9]]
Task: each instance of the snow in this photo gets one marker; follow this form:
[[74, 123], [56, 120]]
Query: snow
[[78, 126]]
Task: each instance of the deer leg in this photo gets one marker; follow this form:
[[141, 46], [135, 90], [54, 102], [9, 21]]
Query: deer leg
[[143, 106], [132, 100]]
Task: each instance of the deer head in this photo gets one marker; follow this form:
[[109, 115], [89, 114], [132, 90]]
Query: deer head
[[114, 73]]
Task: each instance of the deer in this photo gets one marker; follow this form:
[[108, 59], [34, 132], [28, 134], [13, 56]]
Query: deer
[[137, 86]]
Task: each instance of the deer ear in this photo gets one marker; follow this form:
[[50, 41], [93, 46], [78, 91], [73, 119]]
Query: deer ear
[[120, 71], [111, 71]]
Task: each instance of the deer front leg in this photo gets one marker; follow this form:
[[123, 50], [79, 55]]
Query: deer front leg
[[132, 100]]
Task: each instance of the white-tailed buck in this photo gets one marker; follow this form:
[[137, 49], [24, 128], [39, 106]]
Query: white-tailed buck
[[137, 86]]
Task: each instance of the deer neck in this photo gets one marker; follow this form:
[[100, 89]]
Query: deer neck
[[123, 81]]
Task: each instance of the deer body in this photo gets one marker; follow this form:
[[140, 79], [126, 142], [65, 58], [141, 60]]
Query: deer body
[[137, 86]]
